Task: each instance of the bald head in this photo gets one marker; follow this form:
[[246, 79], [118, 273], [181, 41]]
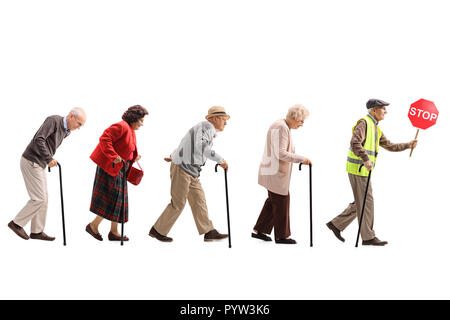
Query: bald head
[[76, 118]]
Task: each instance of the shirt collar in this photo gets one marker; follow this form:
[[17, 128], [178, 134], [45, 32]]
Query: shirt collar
[[65, 124], [212, 128], [374, 120]]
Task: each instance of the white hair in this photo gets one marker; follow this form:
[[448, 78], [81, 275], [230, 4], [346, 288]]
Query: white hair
[[77, 112], [297, 112]]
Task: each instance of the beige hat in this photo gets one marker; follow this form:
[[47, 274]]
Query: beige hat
[[217, 111]]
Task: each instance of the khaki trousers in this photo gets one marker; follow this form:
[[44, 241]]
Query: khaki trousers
[[184, 187], [35, 210], [354, 209]]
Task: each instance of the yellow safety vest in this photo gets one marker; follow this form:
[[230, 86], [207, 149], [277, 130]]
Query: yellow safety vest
[[372, 145]]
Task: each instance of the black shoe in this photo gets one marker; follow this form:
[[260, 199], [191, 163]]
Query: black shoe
[[261, 236], [286, 241], [374, 242], [335, 230], [155, 234]]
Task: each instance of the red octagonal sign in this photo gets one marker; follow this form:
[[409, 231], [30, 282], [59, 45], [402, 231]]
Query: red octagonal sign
[[423, 114]]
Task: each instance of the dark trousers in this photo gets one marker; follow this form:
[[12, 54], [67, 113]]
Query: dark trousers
[[275, 213]]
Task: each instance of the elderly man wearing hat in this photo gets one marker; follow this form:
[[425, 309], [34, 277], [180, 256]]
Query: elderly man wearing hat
[[187, 161], [366, 139]]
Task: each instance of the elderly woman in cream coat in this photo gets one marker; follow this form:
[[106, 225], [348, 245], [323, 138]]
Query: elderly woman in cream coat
[[275, 175]]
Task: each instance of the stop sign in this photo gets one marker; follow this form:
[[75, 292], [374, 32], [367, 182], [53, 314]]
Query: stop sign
[[423, 114]]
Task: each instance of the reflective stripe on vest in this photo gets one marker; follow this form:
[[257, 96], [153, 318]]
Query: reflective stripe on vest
[[371, 146]]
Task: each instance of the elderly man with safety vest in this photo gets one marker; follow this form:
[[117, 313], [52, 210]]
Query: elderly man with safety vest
[[366, 139]]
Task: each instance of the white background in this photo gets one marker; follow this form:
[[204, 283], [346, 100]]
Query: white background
[[255, 58]]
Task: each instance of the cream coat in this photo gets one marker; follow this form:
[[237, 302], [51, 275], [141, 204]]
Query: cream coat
[[279, 155]]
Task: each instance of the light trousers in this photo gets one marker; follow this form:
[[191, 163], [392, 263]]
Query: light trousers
[[184, 187], [35, 210], [354, 209]]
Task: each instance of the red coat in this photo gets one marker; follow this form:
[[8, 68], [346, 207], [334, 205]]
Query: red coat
[[118, 140]]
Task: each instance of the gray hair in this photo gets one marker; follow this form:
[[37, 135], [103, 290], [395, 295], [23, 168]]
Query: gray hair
[[77, 112], [297, 112]]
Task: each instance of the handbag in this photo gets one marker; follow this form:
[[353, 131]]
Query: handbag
[[135, 175]]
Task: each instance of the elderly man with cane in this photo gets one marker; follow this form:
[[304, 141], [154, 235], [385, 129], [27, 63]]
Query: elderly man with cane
[[366, 139], [187, 161], [37, 156]]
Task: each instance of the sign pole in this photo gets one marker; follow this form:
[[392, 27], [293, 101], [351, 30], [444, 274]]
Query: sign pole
[[417, 133]]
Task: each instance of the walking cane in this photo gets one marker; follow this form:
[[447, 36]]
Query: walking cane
[[122, 211], [62, 202], [228, 207], [310, 205], [364, 205]]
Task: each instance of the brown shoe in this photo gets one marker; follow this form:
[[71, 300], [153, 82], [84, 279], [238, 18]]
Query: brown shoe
[[155, 234], [97, 236], [41, 236], [335, 230], [374, 242], [113, 237], [214, 235], [18, 230]]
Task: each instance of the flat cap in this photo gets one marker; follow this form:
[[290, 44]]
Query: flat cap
[[372, 103]]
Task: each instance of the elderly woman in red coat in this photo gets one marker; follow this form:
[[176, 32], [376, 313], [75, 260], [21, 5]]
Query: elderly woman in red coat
[[117, 144]]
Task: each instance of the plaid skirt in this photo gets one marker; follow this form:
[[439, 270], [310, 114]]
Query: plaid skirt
[[107, 196]]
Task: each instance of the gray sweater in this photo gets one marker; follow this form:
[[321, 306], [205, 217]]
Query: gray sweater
[[47, 139], [195, 149]]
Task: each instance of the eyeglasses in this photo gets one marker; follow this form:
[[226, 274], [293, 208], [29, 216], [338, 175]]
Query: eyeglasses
[[80, 124]]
